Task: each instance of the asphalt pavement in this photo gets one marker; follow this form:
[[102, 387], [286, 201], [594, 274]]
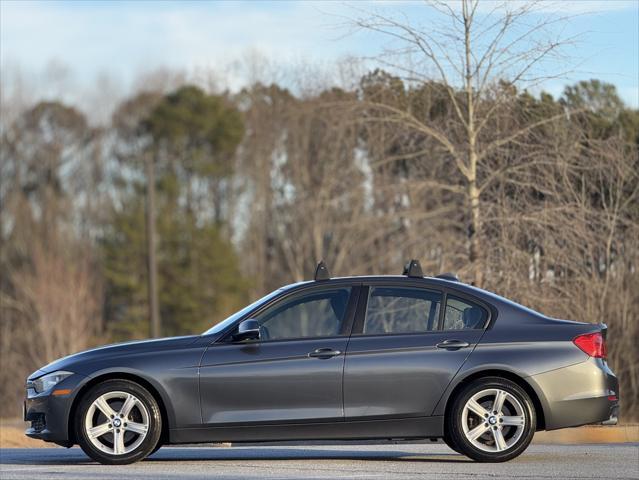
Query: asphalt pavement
[[389, 461]]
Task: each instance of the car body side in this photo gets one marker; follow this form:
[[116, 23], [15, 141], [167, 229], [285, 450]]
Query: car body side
[[568, 387]]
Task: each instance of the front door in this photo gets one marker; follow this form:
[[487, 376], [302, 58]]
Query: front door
[[405, 350], [293, 373]]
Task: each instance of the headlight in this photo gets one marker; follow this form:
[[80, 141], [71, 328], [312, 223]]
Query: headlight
[[49, 380]]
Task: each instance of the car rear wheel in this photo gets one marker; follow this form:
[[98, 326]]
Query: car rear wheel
[[491, 420], [118, 422], [156, 448]]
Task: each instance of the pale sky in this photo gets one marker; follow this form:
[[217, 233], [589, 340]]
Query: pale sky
[[83, 41]]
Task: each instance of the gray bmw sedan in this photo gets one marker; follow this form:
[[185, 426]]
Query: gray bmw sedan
[[375, 357]]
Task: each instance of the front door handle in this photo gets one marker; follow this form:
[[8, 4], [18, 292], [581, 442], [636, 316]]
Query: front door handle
[[452, 344], [324, 353]]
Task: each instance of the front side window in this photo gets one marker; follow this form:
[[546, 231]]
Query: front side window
[[316, 314], [401, 310], [463, 315]]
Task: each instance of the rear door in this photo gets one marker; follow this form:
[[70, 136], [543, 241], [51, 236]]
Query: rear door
[[293, 373], [408, 343]]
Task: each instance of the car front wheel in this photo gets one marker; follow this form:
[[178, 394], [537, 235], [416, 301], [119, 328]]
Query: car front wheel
[[491, 420], [449, 441], [118, 422]]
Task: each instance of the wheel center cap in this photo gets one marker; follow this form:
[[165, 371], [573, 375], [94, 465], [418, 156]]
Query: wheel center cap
[[492, 420], [117, 422]]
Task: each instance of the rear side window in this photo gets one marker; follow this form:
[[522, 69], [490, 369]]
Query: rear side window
[[463, 315], [401, 310]]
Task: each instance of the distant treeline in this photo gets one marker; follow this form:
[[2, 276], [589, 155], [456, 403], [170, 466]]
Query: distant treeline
[[245, 192]]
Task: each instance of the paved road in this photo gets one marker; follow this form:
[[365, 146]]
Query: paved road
[[399, 461]]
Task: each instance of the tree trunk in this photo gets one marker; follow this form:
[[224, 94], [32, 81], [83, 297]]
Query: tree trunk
[[474, 252], [473, 191], [154, 310]]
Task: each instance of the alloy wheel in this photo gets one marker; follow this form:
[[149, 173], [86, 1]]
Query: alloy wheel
[[117, 422], [493, 420]]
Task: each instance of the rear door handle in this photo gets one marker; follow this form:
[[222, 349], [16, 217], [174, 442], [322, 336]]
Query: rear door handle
[[452, 344], [324, 353]]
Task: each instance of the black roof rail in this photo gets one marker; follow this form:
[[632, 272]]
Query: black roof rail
[[448, 276], [321, 272], [413, 269]]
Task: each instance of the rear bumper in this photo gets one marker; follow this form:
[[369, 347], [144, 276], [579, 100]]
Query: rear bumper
[[581, 394]]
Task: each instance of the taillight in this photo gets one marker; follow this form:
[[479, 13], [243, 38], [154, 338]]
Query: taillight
[[592, 344]]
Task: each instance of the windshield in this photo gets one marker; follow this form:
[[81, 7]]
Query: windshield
[[228, 321]]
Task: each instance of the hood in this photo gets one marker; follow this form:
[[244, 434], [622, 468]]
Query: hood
[[115, 349]]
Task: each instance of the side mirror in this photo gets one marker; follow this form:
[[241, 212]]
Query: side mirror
[[248, 329]]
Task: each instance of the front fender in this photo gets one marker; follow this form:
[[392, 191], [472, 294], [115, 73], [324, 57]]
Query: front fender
[[172, 374], [157, 387]]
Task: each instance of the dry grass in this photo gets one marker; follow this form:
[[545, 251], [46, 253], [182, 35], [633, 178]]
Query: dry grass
[[591, 434], [12, 435]]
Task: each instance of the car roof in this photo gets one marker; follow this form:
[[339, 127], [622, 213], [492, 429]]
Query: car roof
[[493, 299], [366, 278], [396, 279]]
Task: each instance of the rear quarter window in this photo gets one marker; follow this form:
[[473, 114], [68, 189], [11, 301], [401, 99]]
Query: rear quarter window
[[461, 314]]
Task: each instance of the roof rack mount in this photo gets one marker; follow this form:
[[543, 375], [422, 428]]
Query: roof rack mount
[[413, 269], [321, 272]]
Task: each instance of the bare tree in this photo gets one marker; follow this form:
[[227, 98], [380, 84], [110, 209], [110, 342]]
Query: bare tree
[[50, 294], [478, 56], [306, 179]]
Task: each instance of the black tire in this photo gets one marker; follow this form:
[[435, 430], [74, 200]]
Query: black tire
[[449, 441], [148, 444], [156, 448], [454, 427]]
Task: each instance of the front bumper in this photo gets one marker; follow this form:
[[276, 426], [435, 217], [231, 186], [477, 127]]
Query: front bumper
[[581, 394], [49, 414]]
